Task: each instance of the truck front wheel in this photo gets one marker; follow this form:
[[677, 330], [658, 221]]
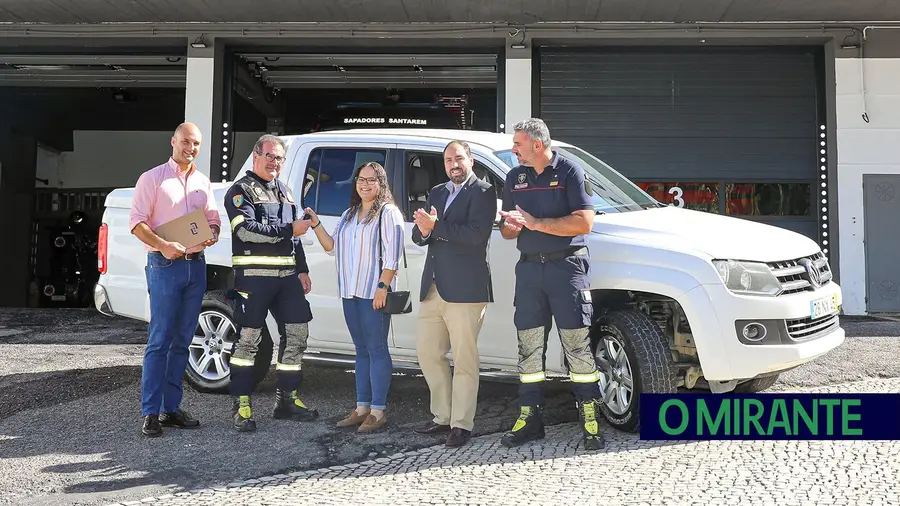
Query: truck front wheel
[[633, 358], [209, 355]]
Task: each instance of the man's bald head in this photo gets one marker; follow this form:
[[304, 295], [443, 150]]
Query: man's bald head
[[186, 144], [187, 128]]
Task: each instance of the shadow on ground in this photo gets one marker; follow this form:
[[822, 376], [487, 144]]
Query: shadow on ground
[[77, 438]]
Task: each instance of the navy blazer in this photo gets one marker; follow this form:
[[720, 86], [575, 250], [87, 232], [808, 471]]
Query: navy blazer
[[458, 256]]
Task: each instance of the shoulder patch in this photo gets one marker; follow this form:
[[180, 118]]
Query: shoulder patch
[[238, 200], [256, 193]]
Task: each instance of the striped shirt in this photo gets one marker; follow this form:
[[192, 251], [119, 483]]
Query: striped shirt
[[355, 250]]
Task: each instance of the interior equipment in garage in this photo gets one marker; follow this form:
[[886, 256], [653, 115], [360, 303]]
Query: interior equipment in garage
[[443, 112], [300, 92]]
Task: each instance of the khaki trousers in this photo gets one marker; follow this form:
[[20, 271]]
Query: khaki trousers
[[442, 327]]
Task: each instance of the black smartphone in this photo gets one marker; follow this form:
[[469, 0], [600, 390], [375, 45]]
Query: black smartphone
[[306, 216]]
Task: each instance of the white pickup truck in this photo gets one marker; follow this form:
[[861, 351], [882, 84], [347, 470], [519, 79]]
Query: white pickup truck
[[684, 299]]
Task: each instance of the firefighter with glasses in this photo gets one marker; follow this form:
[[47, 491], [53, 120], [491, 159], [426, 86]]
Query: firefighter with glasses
[[270, 273], [547, 209]]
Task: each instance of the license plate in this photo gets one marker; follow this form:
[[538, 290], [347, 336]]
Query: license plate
[[823, 307]]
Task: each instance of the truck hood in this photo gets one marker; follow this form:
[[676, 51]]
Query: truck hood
[[711, 234]]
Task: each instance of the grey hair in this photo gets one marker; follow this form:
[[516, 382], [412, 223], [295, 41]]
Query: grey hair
[[534, 128], [268, 138]]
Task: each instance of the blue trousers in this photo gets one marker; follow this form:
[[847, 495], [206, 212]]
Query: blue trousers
[[369, 331], [554, 289], [176, 290]]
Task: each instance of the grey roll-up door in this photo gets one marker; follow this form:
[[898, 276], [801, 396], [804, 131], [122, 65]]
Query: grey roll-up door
[[730, 116]]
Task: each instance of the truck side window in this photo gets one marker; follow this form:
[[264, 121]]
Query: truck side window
[[424, 171], [330, 171], [485, 174]]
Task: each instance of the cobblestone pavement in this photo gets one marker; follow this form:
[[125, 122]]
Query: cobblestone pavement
[[628, 471]]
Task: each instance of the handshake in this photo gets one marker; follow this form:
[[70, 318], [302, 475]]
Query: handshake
[[309, 219]]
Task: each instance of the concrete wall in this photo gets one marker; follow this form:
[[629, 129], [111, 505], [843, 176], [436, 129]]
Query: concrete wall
[[116, 159], [864, 148]]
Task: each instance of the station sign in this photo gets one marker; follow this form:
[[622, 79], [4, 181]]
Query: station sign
[[376, 120]]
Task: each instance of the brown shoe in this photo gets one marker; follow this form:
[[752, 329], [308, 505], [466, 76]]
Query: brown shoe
[[372, 424], [352, 419], [458, 437], [432, 428]]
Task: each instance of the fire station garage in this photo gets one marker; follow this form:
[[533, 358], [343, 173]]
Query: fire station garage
[[77, 123], [726, 130], [87, 120]]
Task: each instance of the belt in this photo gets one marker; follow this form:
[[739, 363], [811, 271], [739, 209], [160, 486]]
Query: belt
[[187, 256], [555, 255]]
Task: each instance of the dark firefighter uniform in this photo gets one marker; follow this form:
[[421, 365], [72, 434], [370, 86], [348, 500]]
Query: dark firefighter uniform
[[267, 259], [552, 282]]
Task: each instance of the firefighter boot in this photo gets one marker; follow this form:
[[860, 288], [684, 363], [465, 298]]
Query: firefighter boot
[[590, 420], [291, 407], [243, 414], [528, 427]]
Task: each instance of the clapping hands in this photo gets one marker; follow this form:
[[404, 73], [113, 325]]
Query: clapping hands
[[424, 220], [519, 219]]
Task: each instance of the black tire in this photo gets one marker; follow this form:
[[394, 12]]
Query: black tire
[[215, 302], [756, 385], [652, 367]]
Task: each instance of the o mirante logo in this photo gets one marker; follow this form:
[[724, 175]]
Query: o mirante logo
[[770, 416]]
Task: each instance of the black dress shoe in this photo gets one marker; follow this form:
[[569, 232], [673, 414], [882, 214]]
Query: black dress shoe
[[179, 419], [432, 428], [151, 426], [458, 437]]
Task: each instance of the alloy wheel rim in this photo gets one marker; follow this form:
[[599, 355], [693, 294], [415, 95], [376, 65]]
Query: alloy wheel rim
[[616, 377], [211, 346]]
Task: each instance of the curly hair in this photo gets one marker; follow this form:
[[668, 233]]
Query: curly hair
[[384, 195]]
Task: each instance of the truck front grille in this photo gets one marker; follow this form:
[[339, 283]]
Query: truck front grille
[[803, 329], [793, 276]]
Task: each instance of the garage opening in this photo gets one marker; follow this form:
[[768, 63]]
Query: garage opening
[[736, 131], [76, 126], [295, 93]]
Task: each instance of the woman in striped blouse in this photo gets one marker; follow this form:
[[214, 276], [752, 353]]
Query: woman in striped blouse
[[368, 257]]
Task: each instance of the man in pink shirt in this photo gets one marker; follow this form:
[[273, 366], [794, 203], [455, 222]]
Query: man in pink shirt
[[176, 276]]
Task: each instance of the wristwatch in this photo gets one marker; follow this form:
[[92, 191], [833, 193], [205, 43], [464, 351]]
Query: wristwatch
[[381, 284]]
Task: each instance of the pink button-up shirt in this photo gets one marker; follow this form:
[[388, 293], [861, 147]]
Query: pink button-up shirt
[[163, 193]]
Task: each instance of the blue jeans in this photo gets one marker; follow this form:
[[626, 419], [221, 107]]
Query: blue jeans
[[369, 330], [176, 290]]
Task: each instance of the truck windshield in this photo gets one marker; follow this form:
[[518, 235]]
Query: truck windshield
[[612, 193]]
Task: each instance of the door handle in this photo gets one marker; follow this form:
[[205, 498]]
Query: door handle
[[305, 241]]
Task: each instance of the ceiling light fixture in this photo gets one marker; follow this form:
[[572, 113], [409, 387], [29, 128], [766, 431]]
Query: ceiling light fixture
[[198, 43]]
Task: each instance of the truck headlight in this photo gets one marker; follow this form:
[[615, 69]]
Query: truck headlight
[[750, 278]]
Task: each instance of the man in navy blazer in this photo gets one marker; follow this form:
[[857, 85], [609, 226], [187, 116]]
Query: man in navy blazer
[[456, 225]]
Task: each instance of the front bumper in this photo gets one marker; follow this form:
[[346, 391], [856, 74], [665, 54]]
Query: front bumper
[[101, 300], [792, 337]]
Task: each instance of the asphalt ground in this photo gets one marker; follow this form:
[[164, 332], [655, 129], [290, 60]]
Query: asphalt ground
[[70, 412]]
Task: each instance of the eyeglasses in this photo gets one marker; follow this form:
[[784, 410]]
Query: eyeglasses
[[274, 158], [366, 180]]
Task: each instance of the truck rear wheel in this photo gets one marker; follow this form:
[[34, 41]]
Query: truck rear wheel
[[209, 355], [633, 358]]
